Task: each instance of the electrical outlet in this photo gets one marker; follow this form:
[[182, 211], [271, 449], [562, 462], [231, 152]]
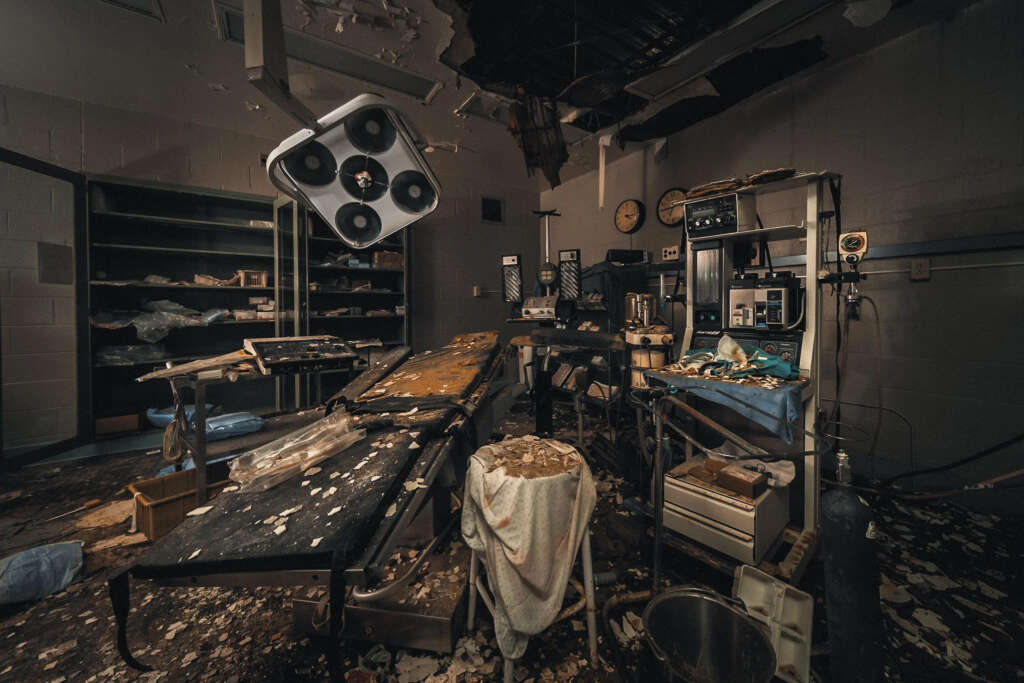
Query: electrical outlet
[[670, 253], [920, 269]]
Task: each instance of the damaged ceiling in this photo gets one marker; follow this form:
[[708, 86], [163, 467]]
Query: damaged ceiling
[[652, 67], [640, 70], [585, 52]]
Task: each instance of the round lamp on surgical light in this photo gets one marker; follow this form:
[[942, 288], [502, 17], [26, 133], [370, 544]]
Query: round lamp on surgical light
[[547, 274]]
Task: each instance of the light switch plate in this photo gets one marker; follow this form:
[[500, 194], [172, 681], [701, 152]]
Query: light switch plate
[[920, 269]]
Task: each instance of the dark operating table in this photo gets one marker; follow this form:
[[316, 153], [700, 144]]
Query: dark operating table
[[423, 416]]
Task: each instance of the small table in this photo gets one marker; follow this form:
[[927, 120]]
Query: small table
[[190, 434]]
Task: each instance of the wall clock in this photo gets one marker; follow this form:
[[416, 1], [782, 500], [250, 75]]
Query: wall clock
[[629, 216], [670, 207]]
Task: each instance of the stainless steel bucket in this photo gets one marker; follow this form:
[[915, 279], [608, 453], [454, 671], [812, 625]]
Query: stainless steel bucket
[[632, 307], [702, 637], [646, 309]]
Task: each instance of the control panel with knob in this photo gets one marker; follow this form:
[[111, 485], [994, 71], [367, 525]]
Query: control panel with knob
[[733, 212]]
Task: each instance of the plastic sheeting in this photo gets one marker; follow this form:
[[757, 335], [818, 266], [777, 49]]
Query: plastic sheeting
[[217, 427], [267, 466], [527, 531], [37, 572], [130, 354], [155, 326], [733, 361], [161, 417]]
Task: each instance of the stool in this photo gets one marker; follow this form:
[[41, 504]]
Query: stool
[[476, 586]]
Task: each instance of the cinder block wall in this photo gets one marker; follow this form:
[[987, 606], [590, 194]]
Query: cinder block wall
[[91, 138], [928, 132], [37, 321], [453, 250]]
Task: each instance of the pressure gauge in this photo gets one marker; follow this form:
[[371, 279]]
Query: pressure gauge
[[670, 207], [852, 242], [629, 216], [853, 246]]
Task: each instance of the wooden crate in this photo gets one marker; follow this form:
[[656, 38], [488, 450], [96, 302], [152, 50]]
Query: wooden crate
[[387, 259], [161, 503], [253, 278], [118, 424]]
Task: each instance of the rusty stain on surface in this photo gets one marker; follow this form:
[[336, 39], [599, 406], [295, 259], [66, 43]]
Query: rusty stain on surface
[[447, 372]]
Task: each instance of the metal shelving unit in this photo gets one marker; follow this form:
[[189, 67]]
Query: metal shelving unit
[[801, 534], [136, 229]]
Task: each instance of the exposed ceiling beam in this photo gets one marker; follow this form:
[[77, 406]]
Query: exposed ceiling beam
[[753, 27]]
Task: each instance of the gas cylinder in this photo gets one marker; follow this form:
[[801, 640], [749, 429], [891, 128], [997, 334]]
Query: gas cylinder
[[855, 632]]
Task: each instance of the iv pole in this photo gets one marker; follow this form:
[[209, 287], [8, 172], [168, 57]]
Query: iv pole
[[547, 239]]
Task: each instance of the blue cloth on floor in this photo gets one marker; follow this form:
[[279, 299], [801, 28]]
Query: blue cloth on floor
[[37, 572], [783, 405]]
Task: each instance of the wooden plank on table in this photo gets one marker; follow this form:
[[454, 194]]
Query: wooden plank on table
[[211, 363]]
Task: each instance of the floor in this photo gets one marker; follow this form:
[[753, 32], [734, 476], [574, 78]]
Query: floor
[[949, 598]]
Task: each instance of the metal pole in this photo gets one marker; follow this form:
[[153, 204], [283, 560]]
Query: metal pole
[[577, 399], [547, 238], [199, 457], [659, 493], [474, 563], [588, 592], [704, 419], [641, 433]]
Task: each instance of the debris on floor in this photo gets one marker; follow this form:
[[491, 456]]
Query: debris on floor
[[107, 515], [949, 576], [122, 541]]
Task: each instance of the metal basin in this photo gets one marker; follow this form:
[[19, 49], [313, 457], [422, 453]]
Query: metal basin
[[702, 637]]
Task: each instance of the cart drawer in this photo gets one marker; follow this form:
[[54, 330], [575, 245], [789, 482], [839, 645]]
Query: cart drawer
[[734, 513], [708, 532]]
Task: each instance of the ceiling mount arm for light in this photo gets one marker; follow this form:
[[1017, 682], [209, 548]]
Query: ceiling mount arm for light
[[266, 65]]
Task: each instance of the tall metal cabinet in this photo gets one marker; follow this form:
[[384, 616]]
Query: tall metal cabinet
[[146, 245], [152, 247]]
